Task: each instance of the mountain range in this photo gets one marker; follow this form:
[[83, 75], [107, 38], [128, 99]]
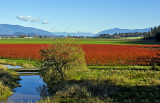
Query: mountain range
[[7, 29], [75, 34], [117, 30], [110, 31]]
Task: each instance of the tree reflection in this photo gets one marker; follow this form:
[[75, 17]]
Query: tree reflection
[[43, 91]]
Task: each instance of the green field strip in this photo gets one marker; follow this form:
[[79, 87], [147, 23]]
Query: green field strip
[[80, 41], [120, 67]]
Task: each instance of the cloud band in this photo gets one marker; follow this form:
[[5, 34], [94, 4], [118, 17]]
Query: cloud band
[[32, 19]]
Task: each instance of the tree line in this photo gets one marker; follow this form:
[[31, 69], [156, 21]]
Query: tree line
[[121, 35], [153, 34], [114, 36]]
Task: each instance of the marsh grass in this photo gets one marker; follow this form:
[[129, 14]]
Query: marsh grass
[[121, 67], [4, 91], [23, 63], [107, 86], [8, 81], [3, 67]]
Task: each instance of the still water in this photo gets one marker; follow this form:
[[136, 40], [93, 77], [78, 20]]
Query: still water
[[11, 66], [28, 90]]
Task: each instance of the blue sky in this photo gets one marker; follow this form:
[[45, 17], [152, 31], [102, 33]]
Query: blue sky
[[81, 15]]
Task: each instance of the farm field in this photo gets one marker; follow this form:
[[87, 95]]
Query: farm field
[[80, 41], [113, 70], [95, 54]]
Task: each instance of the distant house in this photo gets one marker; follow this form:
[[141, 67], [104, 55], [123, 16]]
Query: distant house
[[28, 37]]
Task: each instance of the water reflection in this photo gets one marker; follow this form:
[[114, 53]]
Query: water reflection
[[11, 66], [43, 91], [28, 90]]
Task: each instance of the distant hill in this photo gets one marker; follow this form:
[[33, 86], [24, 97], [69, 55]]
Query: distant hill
[[74, 34], [117, 30], [6, 29], [110, 31]]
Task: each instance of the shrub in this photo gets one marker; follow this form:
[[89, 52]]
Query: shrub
[[60, 59]]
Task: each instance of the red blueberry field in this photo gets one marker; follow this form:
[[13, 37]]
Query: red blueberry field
[[95, 54]]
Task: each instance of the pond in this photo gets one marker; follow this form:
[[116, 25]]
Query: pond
[[28, 92]]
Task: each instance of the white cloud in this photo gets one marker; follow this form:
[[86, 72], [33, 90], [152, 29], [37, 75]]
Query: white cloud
[[28, 19], [45, 22], [32, 19]]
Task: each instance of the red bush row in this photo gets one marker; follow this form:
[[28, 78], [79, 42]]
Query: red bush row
[[120, 54], [94, 54]]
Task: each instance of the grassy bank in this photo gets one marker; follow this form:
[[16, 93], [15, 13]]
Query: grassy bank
[[121, 67], [32, 64], [23, 63], [107, 86], [8, 81]]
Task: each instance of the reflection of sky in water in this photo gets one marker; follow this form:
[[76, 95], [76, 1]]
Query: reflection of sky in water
[[10, 66], [28, 91]]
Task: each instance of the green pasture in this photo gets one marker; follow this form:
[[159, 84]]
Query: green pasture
[[120, 67], [80, 41], [33, 64]]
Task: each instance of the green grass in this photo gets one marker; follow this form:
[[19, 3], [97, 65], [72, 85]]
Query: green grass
[[23, 63], [8, 81], [5, 91], [27, 41], [120, 67], [107, 86], [81, 41], [121, 77], [34, 64]]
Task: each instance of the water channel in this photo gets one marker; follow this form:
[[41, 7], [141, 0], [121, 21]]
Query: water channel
[[28, 92]]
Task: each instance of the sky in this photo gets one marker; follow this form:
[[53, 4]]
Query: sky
[[80, 15]]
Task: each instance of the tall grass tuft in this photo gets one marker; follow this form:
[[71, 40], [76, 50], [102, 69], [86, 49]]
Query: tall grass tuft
[[8, 81]]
